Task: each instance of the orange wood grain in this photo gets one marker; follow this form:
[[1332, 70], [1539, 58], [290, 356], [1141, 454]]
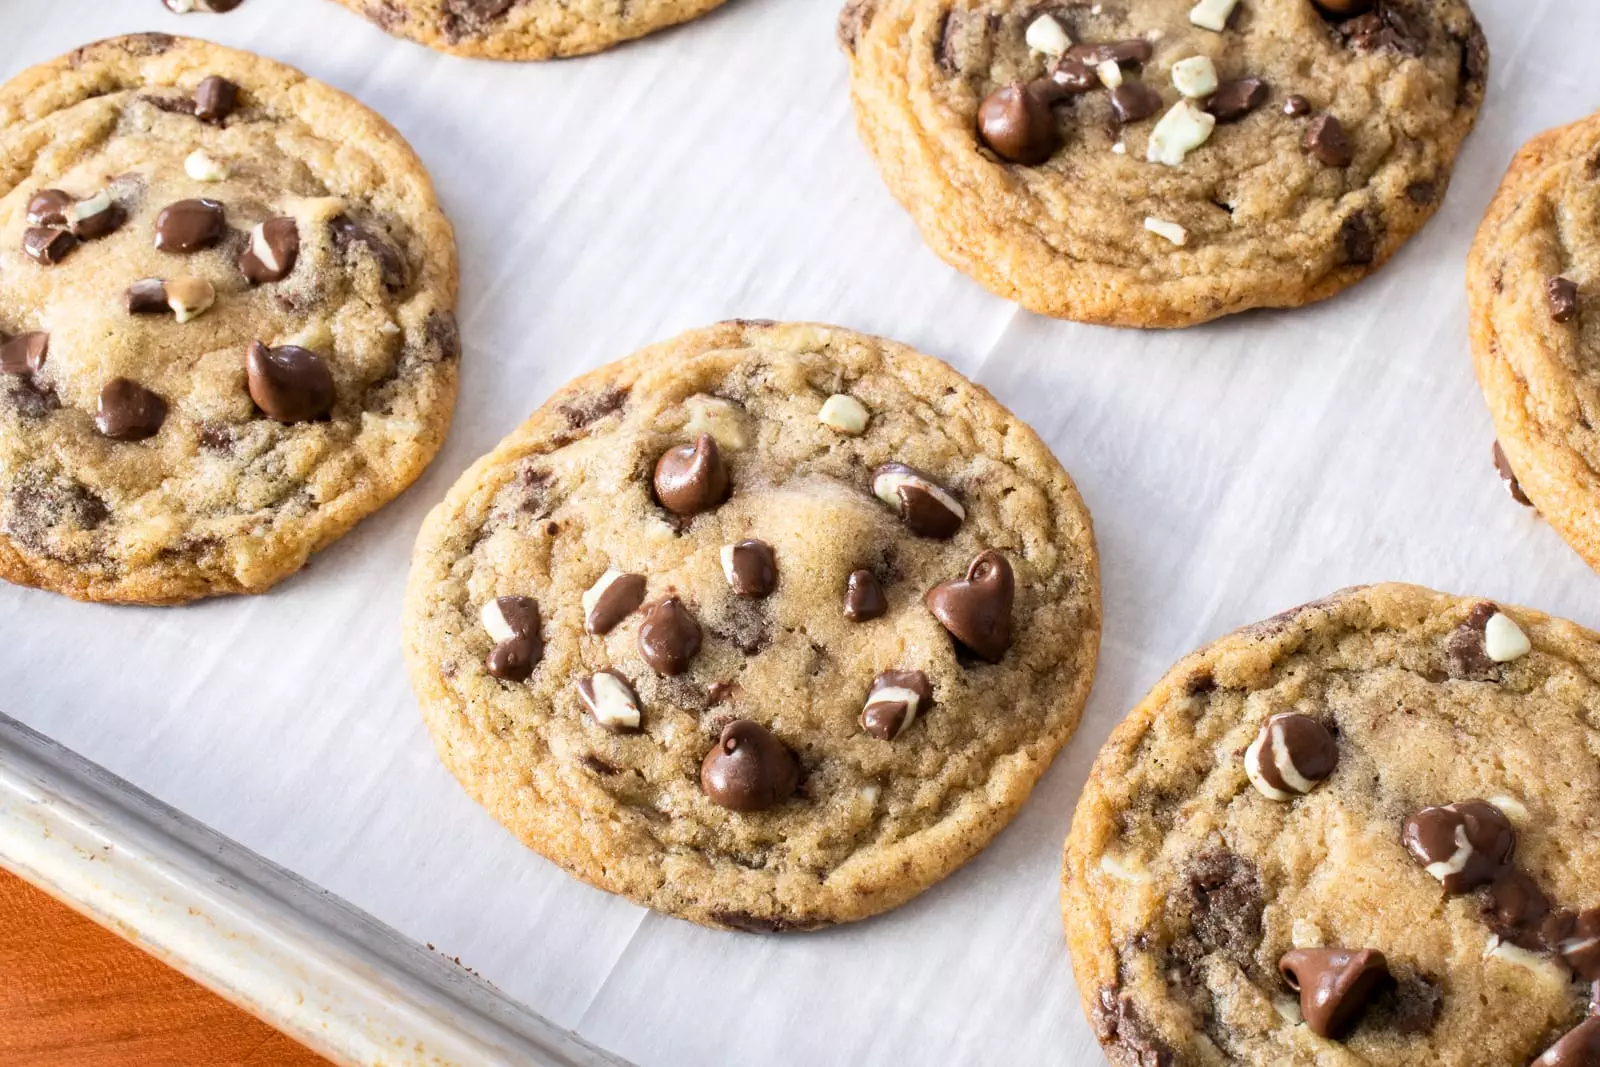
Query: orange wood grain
[[75, 995]]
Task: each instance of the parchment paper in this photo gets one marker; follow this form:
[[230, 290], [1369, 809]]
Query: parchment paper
[[711, 172]]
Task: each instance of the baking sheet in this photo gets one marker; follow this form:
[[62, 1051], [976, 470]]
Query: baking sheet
[[710, 172]]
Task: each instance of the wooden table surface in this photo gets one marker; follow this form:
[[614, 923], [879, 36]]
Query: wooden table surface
[[74, 995]]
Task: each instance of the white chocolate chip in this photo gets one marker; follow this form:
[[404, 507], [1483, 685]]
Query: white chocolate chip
[[845, 413], [1305, 934], [389, 329], [886, 487], [1110, 74], [1517, 956], [727, 564], [1119, 149], [1512, 808], [1195, 77], [1504, 640], [97, 204], [1124, 869], [611, 702], [598, 590], [494, 621], [869, 795], [1288, 1009], [719, 418], [1213, 14], [1170, 230], [1096, 9], [1046, 35], [203, 167], [1180, 131], [189, 297]]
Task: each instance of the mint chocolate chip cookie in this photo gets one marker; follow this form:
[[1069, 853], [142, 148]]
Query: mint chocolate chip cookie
[[797, 618], [1165, 162], [1361, 831], [227, 325]]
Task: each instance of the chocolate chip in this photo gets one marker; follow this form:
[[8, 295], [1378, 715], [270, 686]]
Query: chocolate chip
[[215, 98], [189, 226], [863, 597], [1357, 241], [348, 235], [749, 769], [977, 609], [47, 247], [1334, 984], [1579, 1047], [147, 296], [1463, 845], [1502, 466], [128, 411], [1225, 898], [289, 383], [927, 508], [1516, 909], [751, 568], [669, 637], [49, 207], [613, 597], [1072, 75], [690, 479], [270, 256], [1579, 944], [1326, 140], [1465, 653], [1234, 100], [94, 217], [1562, 294], [513, 659], [1297, 106], [506, 617], [1018, 125], [1290, 756], [1134, 50], [611, 699], [24, 353], [1344, 8], [1134, 102], [893, 703]]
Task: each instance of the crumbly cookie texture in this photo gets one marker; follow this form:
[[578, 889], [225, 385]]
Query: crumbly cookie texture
[[717, 721], [168, 208], [1161, 162], [1531, 285], [1361, 831], [526, 29]]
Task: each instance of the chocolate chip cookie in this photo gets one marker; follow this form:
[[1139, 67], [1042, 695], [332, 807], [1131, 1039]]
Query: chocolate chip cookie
[[226, 320], [1362, 831], [1165, 162], [526, 29], [769, 626], [1532, 287]]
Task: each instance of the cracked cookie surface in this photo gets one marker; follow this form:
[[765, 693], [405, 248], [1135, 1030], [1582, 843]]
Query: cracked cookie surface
[[1271, 209], [1188, 888], [870, 755], [526, 29], [166, 204], [1532, 282]]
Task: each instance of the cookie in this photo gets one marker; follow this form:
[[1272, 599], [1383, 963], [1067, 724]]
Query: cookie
[[1361, 831], [1165, 162], [1535, 312], [526, 29], [226, 320], [769, 626]]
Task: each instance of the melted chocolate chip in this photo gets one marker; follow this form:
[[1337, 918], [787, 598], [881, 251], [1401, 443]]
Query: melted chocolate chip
[[128, 411], [1562, 296], [669, 637], [894, 702], [863, 597], [215, 98], [1464, 649], [1334, 984], [24, 353], [751, 567], [289, 383], [1579, 943], [1326, 140], [1290, 756], [1516, 909], [749, 769], [1463, 845], [50, 207], [270, 256], [1120, 1027], [926, 507], [350, 235], [691, 478], [1134, 102], [1579, 1047], [1225, 897], [1072, 75], [1234, 100], [513, 659], [1502, 466], [189, 226], [1018, 125], [147, 296], [977, 609], [47, 247], [621, 596]]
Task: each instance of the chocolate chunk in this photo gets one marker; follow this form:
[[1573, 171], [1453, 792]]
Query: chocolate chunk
[[270, 256], [513, 659], [348, 235], [690, 479], [24, 353], [50, 207], [1502, 466], [749, 769], [1384, 27], [669, 637], [612, 598], [1290, 756], [128, 411], [863, 597], [1579, 1047], [1134, 50], [1134, 102], [1562, 294], [927, 508], [1018, 125], [289, 383], [189, 226], [47, 247], [215, 98], [1234, 100], [611, 699], [1357, 241], [1463, 845], [1297, 106], [1071, 75], [894, 702], [1225, 897], [977, 609], [1465, 653], [147, 296], [751, 568], [1579, 944], [1326, 140], [1344, 8], [1334, 984]]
